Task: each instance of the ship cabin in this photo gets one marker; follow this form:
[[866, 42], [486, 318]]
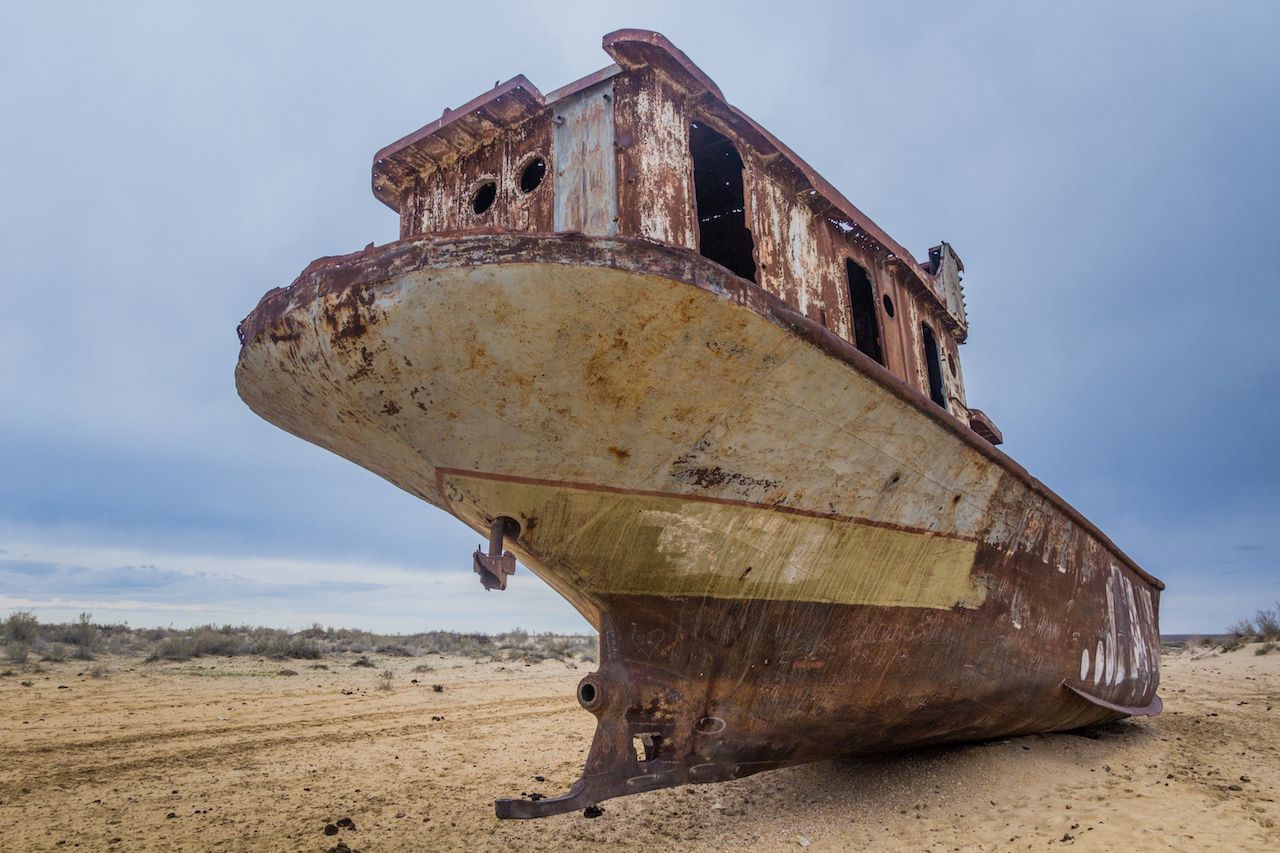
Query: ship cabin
[[649, 148]]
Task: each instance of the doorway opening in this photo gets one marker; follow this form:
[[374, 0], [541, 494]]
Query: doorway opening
[[862, 305], [934, 365], [723, 235]]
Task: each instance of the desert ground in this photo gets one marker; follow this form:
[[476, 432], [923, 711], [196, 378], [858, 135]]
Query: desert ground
[[236, 754]]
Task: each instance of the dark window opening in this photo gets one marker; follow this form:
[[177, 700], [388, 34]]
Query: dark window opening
[[531, 177], [934, 366], [888, 306], [484, 197], [721, 202], [862, 304]]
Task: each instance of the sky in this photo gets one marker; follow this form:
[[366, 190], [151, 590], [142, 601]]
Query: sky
[[1108, 173]]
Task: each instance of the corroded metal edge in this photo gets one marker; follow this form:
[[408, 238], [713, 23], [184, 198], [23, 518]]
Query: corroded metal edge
[[1149, 710], [341, 275]]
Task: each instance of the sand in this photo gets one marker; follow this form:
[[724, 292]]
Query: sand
[[229, 754]]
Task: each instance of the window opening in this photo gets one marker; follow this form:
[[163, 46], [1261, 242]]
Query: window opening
[[934, 366], [723, 235], [862, 304], [531, 177], [484, 196]]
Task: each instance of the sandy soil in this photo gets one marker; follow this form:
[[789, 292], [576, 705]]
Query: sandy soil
[[222, 754]]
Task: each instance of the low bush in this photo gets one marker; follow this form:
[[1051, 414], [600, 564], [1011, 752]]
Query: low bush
[[83, 639], [17, 651], [21, 627], [1267, 623]]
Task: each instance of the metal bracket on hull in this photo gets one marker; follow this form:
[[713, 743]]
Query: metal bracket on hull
[[495, 567]]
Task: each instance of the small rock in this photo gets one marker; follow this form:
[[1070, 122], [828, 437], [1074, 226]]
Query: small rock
[[346, 823], [330, 829], [592, 811], [28, 683], [439, 688], [802, 841], [1234, 788], [171, 815], [1066, 836], [539, 778], [340, 847], [1245, 779]]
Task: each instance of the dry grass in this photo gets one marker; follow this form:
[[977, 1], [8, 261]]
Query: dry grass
[[24, 635]]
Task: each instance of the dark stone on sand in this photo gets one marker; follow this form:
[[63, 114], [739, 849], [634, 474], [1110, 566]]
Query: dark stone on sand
[[592, 811], [539, 779], [346, 823], [330, 829], [439, 688]]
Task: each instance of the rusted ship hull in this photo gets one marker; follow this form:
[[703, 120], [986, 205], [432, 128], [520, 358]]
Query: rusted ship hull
[[789, 553]]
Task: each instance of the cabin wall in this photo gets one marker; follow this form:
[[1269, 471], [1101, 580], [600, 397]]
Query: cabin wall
[[618, 162], [922, 311], [655, 169], [440, 200], [582, 155], [800, 254]]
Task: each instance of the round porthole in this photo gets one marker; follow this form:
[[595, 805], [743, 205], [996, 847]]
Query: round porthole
[[482, 199], [888, 305], [532, 174]]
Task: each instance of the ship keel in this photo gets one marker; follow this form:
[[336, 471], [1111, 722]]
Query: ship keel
[[648, 736]]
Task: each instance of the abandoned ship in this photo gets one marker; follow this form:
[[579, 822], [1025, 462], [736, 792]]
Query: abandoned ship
[[639, 344]]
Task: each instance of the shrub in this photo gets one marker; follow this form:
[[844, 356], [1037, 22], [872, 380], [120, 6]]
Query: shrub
[[16, 651], [384, 680], [173, 648], [84, 634], [21, 626], [1268, 624], [55, 653], [98, 670], [1242, 628]]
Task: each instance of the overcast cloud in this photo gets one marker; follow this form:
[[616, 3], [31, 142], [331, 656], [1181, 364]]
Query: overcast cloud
[[1108, 175]]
